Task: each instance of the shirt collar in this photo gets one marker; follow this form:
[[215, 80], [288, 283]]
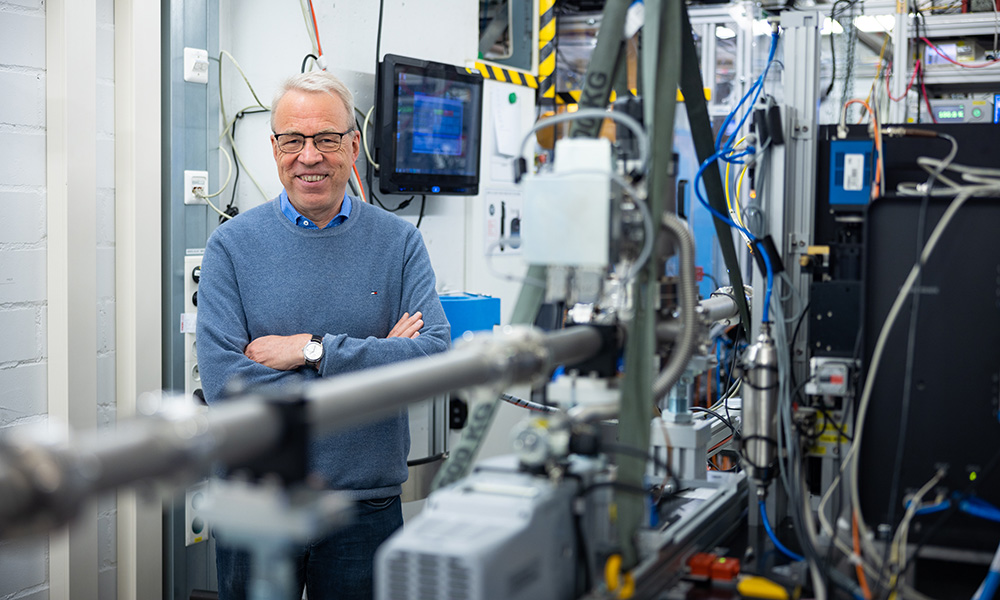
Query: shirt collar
[[296, 217]]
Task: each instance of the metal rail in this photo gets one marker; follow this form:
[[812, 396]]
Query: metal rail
[[43, 481]]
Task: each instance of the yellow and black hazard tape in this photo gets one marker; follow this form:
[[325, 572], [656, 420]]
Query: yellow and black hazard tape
[[506, 75], [546, 48], [573, 96]]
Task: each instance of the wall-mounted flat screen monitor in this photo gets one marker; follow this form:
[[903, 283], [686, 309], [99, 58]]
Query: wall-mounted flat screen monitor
[[428, 124]]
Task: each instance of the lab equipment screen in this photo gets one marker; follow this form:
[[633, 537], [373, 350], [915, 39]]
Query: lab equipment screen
[[429, 123]]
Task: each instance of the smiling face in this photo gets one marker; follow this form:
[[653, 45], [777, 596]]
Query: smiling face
[[315, 181]]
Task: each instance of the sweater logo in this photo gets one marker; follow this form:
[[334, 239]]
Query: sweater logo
[[374, 293]]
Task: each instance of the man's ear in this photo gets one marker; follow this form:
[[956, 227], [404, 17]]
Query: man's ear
[[356, 143]]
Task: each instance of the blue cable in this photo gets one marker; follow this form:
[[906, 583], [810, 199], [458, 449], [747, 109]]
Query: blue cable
[[725, 219], [724, 151], [933, 508], [980, 509], [718, 366], [989, 587], [754, 90], [774, 538]]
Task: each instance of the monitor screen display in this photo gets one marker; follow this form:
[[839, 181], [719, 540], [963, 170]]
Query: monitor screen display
[[429, 123]]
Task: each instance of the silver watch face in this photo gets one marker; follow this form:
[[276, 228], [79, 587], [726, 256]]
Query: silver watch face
[[313, 351]]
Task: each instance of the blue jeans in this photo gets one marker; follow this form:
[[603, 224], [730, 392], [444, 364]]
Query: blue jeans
[[337, 567]]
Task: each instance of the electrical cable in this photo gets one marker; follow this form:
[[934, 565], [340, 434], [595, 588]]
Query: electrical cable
[[724, 150], [988, 588], [774, 538], [507, 276], [423, 204], [231, 210], [309, 29], [641, 139], [227, 130], [878, 69], [899, 540], [790, 463], [850, 460], [955, 62], [916, 67], [306, 60], [364, 137], [763, 254], [319, 46], [727, 422], [528, 404], [907, 393], [207, 197], [619, 448]]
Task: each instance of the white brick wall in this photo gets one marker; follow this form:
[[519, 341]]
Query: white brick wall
[[23, 383], [22, 204], [23, 238], [107, 533], [23, 41], [20, 567], [22, 393]]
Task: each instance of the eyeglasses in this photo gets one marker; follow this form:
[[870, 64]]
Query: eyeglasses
[[326, 141]]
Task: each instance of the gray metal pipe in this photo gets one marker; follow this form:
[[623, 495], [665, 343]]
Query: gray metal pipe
[[711, 310], [718, 308], [688, 292], [41, 483], [364, 395]]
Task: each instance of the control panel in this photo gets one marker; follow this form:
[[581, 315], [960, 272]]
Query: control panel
[[192, 275], [948, 110]]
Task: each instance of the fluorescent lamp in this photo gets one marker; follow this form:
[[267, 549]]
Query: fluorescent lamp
[[724, 33], [831, 26], [875, 23]]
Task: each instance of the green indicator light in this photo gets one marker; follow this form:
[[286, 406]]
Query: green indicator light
[[972, 476], [512, 98], [977, 112]]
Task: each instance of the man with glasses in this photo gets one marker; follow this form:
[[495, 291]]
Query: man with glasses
[[312, 284]]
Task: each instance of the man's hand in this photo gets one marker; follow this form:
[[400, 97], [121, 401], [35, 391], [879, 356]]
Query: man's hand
[[281, 352], [408, 326], [284, 352]]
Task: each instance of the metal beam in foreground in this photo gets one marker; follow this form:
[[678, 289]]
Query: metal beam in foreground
[[43, 481]]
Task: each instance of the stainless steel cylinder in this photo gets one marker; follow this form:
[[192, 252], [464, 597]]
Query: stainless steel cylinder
[[760, 407]]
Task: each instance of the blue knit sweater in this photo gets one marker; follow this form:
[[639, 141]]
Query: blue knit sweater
[[262, 275]]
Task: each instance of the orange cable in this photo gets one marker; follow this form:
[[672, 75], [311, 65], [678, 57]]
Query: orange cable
[[862, 580], [361, 188], [878, 142], [319, 47]]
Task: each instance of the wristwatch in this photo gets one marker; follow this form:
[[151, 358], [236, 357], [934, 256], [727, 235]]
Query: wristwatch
[[313, 351]]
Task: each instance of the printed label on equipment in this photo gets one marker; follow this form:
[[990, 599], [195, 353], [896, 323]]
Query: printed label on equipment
[[189, 322], [854, 172]]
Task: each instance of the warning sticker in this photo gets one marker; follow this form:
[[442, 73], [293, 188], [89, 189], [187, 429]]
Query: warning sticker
[[854, 172]]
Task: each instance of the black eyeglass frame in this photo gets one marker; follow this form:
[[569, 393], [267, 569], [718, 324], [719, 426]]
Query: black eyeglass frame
[[278, 136]]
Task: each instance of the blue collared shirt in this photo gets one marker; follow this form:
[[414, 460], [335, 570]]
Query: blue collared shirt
[[296, 217]]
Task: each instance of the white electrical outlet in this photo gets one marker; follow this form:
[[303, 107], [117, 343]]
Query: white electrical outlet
[[196, 526], [196, 65], [195, 181]]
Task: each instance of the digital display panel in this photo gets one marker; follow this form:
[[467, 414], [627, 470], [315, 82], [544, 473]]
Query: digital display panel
[[950, 114], [429, 122]]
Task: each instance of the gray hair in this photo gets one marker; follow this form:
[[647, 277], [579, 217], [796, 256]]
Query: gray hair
[[315, 81]]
